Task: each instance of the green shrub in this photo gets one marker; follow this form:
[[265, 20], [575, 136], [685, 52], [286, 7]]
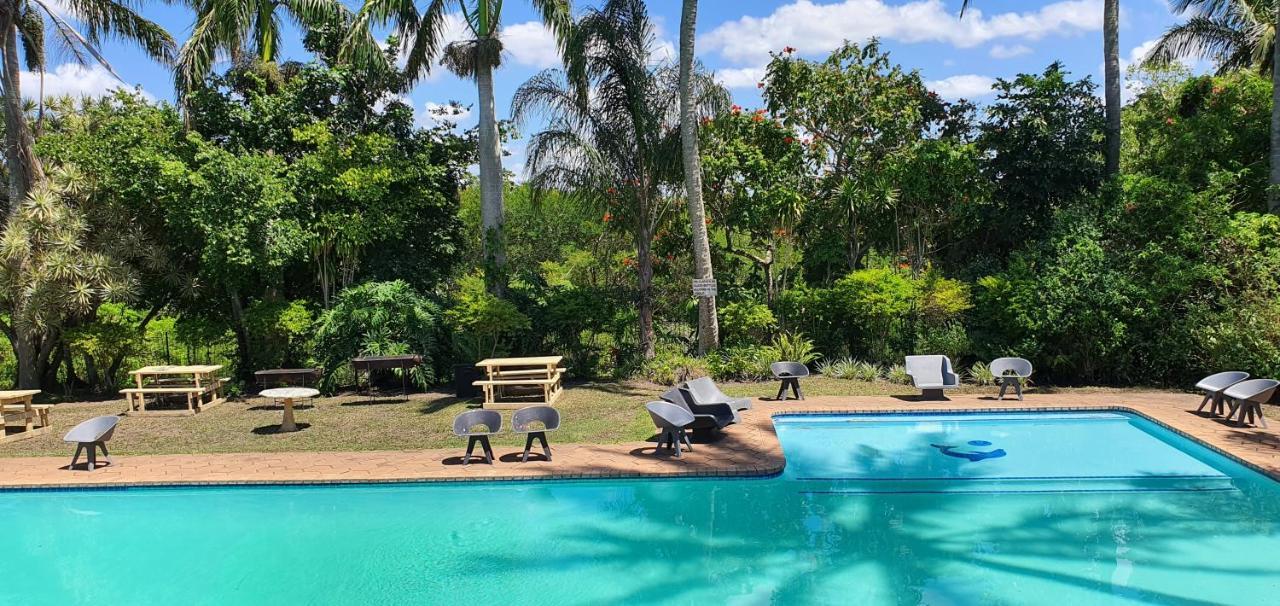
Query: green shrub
[[670, 366], [980, 374], [742, 363], [897, 374], [850, 369], [794, 347], [378, 318], [745, 322], [948, 339], [481, 322], [279, 333]]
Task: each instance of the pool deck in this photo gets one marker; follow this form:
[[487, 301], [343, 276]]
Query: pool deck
[[748, 449]]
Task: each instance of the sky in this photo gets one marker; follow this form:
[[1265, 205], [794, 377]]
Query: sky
[[956, 57]]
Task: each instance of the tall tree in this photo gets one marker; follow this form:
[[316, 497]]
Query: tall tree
[[22, 23], [1111, 82], [612, 133], [475, 58], [708, 323], [1234, 34], [1111, 75], [238, 27]]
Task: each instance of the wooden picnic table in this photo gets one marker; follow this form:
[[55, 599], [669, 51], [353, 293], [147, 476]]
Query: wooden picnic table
[[501, 374], [32, 418], [194, 381]]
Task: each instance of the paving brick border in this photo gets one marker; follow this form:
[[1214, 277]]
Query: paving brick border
[[750, 449]]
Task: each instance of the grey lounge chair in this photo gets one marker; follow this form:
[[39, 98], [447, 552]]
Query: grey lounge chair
[[465, 424], [92, 434], [707, 392], [1010, 372], [1248, 398], [790, 374], [706, 416], [672, 421], [535, 422], [931, 375], [1213, 386]]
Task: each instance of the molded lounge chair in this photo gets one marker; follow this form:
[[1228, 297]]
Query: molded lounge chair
[[465, 424], [706, 416], [535, 422], [672, 421], [790, 374], [92, 434], [1248, 397], [1010, 372], [931, 375], [1213, 386], [707, 392]]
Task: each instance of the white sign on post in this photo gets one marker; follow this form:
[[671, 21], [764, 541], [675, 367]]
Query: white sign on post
[[704, 287]]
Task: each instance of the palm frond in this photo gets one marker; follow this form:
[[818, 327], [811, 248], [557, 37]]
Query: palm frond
[[466, 57], [109, 19]]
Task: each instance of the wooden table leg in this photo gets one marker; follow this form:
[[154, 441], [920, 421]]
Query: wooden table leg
[[29, 413], [287, 424]]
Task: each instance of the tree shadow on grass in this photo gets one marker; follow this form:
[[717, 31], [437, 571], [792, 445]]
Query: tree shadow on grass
[[271, 430]]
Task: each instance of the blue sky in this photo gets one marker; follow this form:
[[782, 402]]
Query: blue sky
[[996, 38]]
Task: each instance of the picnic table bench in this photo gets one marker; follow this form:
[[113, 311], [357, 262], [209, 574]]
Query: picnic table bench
[[505, 375], [196, 382], [17, 410]]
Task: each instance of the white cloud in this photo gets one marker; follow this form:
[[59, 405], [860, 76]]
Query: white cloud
[[966, 86], [816, 28], [1001, 51], [75, 80], [531, 44], [740, 77]]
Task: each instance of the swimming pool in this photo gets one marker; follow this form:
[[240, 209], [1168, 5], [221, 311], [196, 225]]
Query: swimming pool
[[1080, 508]]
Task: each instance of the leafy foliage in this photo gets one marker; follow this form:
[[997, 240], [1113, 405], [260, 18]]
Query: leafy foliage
[[378, 318]]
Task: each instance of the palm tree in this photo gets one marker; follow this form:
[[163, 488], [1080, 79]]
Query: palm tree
[[1235, 34], [1111, 77], [474, 58], [236, 26], [613, 132], [24, 24], [708, 323]]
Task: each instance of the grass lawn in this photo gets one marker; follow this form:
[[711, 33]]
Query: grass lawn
[[591, 412]]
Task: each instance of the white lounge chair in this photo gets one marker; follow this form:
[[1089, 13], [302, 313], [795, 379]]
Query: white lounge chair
[[931, 375], [1010, 372], [1213, 386]]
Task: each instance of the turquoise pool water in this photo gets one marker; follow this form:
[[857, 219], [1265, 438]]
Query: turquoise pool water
[[1089, 508]]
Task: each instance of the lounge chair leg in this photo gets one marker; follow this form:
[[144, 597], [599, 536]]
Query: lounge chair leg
[[782, 391], [1262, 419], [488, 450], [76, 457], [688, 442], [1003, 387], [528, 444], [676, 443], [106, 455], [471, 445], [1207, 398], [93, 458], [546, 448], [795, 386], [1017, 388]]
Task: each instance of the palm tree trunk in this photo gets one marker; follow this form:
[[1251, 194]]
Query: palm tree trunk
[[644, 303], [491, 208], [1273, 194], [20, 158], [1111, 50], [708, 323]]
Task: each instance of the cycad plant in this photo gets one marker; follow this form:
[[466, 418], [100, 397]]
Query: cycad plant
[[474, 58], [53, 267], [613, 132]]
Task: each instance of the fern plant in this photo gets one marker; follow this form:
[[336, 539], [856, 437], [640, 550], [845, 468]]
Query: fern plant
[[794, 347]]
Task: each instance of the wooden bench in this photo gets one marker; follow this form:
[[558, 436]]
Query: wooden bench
[[136, 397], [16, 410]]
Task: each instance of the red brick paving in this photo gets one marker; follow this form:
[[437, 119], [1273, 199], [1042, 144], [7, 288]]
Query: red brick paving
[[748, 449]]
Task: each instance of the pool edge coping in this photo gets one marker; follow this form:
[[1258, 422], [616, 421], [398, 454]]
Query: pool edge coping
[[766, 470]]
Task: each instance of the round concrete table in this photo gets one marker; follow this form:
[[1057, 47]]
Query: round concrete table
[[287, 395]]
